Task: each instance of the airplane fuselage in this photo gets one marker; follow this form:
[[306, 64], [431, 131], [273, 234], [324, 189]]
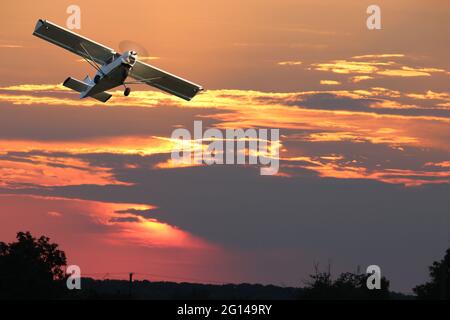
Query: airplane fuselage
[[110, 75]]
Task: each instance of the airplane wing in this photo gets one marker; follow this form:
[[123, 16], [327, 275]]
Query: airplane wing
[[164, 81], [73, 42]]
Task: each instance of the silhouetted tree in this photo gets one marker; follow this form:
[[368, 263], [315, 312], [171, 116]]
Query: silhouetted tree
[[347, 286], [320, 287], [31, 268], [439, 286], [354, 286]]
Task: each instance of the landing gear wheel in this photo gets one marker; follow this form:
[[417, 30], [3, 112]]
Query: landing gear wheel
[[127, 91], [96, 78]]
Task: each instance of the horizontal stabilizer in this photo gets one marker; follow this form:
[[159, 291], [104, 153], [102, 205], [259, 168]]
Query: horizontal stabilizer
[[75, 84], [102, 96], [80, 86]]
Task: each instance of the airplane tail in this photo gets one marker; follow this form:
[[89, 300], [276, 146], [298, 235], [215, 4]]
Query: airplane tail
[[81, 86]]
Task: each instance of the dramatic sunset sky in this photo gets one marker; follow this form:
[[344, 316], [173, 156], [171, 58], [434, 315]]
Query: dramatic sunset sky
[[364, 119]]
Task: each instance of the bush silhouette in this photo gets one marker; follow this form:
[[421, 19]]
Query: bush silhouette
[[347, 286], [439, 286], [31, 268]]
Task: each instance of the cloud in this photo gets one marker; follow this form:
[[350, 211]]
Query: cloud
[[213, 99], [340, 148], [329, 82], [442, 164], [404, 72], [372, 66], [10, 46], [350, 67], [148, 58], [29, 170], [125, 219], [107, 129], [379, 56], [379, 116], [55, 214], [35, 88], [357, 79], [289, 63], [295, 212], [430, 95], [99, 240]]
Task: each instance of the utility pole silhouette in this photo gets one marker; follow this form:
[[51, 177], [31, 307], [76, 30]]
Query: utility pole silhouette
[[130, 284]]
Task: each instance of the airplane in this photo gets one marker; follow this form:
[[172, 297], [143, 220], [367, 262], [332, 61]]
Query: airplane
[[112, 68]]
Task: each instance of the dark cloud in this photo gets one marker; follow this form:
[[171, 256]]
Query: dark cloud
[[124, 219], [355, 222], [366, 154], [56, 123], [143, 213], [329, 101], [338, 101]]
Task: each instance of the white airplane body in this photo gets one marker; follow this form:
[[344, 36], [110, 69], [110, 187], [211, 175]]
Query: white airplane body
[[113, 69]]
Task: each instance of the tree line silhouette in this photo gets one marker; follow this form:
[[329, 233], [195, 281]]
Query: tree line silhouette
[[34, 268]]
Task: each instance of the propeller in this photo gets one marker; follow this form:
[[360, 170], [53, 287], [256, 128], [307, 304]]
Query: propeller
[[129, 45]]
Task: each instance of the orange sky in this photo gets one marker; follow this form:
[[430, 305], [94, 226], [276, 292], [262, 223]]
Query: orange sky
[[361, 108]]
